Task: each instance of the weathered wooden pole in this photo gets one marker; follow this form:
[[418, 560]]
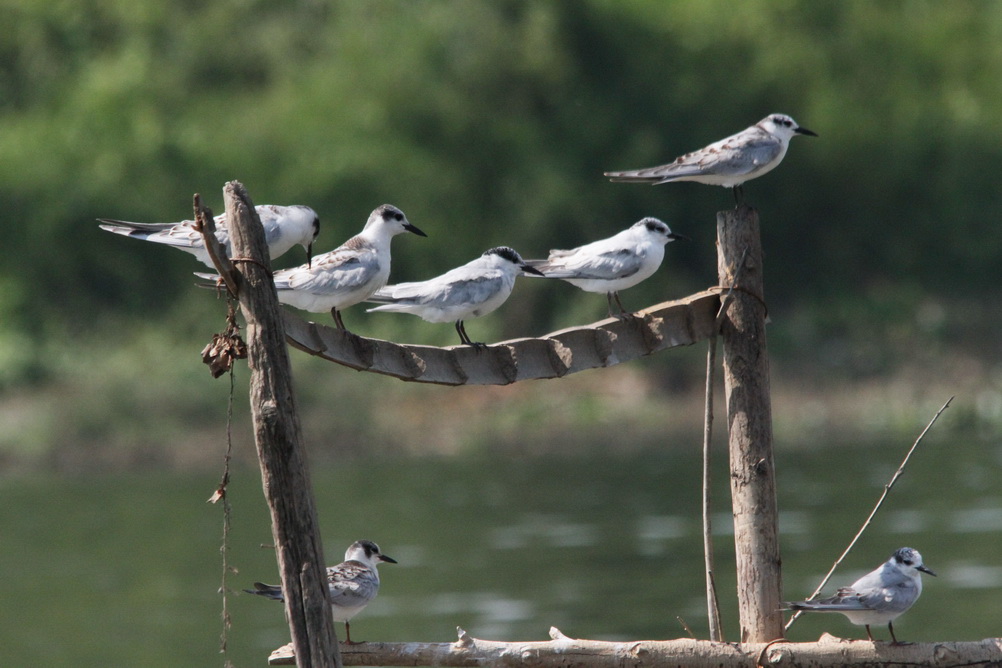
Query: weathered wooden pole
[[749, 423], [278, 437]]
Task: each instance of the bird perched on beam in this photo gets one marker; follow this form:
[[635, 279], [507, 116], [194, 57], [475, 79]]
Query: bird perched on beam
[[469, 291], [613, 264], [284, 227], [347, 275]]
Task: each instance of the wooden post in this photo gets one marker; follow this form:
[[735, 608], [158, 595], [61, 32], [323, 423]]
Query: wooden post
[[749, 422], [278, 437]]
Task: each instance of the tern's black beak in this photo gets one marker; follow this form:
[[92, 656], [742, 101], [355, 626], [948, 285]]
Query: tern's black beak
[[532, 270], [415, 230], [309, 254], [675, 236], [383, 557], [805, 131], [926, 570]]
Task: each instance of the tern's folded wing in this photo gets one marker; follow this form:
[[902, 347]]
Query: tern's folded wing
[[610, 265], [335, 272]]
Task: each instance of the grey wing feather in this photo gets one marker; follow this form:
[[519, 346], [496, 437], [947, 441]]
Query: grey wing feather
[[338, 271], [274, 592], [885, 599], [383, 295], [892, 591], [722, 158], [471, 291], [350, 582], [182, 235], [732, 160], [139, 227], [269, 221], [846, 599], [463, 291], [606, 266]]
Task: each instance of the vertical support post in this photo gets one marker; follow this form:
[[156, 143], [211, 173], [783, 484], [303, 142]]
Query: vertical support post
[[278, 437], [712, 604], [749, 422]]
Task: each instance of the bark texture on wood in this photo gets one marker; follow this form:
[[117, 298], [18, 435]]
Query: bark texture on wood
[[604, 343], [278, 437], [828, 652], [749, 422]]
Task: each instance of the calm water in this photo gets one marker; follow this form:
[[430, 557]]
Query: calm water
[[124, 570]]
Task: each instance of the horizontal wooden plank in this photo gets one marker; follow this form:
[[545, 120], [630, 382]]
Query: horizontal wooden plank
[[828, 652]]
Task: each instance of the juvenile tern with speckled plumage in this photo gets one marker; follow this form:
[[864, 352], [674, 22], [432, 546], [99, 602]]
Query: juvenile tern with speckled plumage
[[729, 162], [353, 583], [284, 227]]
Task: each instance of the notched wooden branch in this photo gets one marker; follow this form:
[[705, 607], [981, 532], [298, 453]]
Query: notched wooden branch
[[604, 343], [206, 224]]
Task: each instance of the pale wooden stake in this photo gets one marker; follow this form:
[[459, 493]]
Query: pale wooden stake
[[712, 604], [709, 570], [278, 437], [749, 422]]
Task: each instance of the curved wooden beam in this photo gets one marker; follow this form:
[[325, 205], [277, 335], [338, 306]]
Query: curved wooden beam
[[604, 343]]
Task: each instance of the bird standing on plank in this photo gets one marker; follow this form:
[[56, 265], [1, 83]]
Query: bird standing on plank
[[469, 291], [353, 583], [879, 597]]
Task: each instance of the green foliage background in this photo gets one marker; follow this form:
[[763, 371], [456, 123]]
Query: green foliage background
[[491, 122]]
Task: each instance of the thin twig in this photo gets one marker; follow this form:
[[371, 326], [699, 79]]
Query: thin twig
[[221, 495], [880, 501], [712, 603], [224, 549], [205, 224]]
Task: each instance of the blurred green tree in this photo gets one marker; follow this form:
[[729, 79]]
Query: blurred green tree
[[490, 122]]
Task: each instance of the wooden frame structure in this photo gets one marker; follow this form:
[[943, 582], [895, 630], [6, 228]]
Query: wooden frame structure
[[746, 375]]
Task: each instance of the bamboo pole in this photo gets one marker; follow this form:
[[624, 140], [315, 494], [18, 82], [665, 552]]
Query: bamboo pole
[[278, 437], [749, 421]]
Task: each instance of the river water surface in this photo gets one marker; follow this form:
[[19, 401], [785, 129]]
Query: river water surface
[[124, 570]]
